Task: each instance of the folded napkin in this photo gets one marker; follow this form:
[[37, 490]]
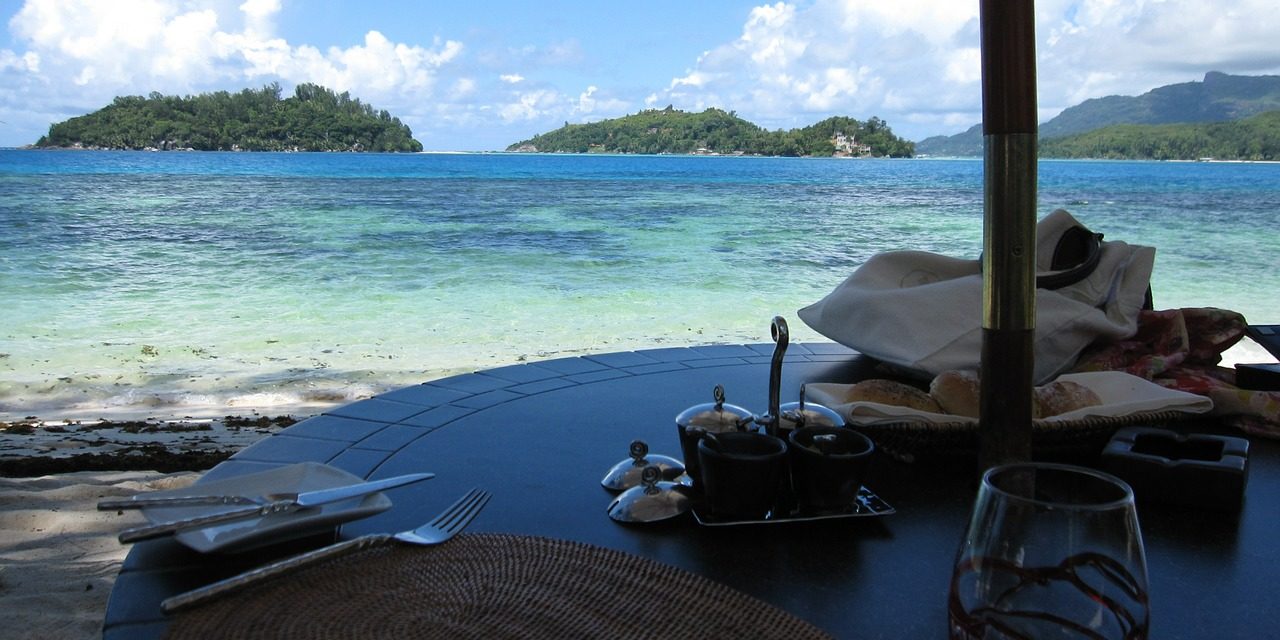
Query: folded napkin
[[1122, 395], [1182, 349], [922, 312]]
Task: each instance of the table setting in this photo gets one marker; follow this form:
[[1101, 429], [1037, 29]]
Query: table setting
[[411, 584], [431, 581], [806, 521]]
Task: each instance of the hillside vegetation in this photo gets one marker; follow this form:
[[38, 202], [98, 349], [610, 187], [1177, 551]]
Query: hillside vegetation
[[716, 131], [1255, 138], [1219, 97], [313, 119]]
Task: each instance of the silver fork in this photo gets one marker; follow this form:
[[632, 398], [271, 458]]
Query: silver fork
[[438, 530]]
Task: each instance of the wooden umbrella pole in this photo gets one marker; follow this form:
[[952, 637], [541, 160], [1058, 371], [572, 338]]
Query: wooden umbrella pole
[[1009, 224]]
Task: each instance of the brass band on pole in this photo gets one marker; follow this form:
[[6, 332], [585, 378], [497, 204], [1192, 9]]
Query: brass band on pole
[[1008, 300], [1008, 232], [1009, 218]]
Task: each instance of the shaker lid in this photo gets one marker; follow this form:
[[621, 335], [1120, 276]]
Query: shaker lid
[[652, 500], [794, 415], [812, 415], [715, 416], [627, 474]]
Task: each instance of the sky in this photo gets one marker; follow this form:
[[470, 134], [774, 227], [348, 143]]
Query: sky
[[480, 75]]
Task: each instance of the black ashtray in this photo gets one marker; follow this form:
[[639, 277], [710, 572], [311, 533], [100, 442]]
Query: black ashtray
[[1194, 469], [1258, 377]]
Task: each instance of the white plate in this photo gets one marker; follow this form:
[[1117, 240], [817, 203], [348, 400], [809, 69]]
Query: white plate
[[246, 534]]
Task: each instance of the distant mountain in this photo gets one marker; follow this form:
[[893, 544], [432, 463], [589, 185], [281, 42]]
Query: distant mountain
[[961, 145], [715, 131], [1253, 138], [1218, 98], [313, 119]]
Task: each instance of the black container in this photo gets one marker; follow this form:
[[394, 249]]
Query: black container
[[1195, 469], [1258, 377], [713, 417], [827, 466], [744, 474]]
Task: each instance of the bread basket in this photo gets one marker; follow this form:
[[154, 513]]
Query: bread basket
[[1126, 400]]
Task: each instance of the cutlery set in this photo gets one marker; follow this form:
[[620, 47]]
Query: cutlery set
[[269, 504], [243, 506], [436, 531]]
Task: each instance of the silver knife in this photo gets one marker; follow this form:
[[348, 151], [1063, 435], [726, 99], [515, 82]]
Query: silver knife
[[302, 501], [142, 502]]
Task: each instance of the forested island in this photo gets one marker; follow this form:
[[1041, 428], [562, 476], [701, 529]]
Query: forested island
[[1255, 138], [716, 131], [313, 119]]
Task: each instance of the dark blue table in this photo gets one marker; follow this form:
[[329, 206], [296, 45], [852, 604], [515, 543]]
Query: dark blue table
[[540, 436]]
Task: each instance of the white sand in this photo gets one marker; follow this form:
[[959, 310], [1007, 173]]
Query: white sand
[[58, 554]]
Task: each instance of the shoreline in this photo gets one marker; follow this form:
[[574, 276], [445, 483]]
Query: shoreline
[[42, 448]]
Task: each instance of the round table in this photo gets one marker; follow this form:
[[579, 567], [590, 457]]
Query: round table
[[540, 437]]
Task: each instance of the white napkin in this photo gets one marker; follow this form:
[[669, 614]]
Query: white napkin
[[1122, 395]]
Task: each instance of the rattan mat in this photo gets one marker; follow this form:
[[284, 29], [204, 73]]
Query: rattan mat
[[491, 586]]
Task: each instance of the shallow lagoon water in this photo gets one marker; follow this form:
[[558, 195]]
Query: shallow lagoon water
[[170, 284]]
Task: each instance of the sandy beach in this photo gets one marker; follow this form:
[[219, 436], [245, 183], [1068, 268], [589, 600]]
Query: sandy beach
[[58, 554]]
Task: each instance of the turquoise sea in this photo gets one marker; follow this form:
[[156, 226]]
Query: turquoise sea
[[171, 284]]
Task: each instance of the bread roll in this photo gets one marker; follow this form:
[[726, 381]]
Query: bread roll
[[892, 393], [1061, 396], [957, 392]]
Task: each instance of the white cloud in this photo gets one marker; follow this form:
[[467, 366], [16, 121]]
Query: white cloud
[[259, 15], [530, 105], [27, 62], [914, 63], [589, 104], [794, 64], [917, 63], [462, 87]]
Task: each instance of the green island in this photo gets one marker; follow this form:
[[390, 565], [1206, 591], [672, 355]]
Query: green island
[[719, 132], [313, 119], [1256, 138]]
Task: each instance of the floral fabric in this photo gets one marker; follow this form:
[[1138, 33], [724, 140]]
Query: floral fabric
[[1181, 349]]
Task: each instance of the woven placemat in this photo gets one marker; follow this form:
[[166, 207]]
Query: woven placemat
[[491, 586]]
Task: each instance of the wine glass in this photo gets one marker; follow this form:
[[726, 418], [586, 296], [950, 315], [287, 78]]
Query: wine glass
[[1051, 551]]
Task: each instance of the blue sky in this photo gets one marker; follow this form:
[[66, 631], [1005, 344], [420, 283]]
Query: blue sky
[[480, 75]]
